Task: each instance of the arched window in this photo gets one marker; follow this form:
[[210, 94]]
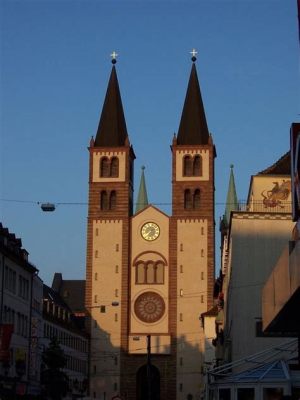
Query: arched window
[[187, 199], [197, 166], [150, 272], [159, 272], [114, 167], [104, 167], [112, 200], [187, 166], [140, 273], [104, 200], [197, 199]]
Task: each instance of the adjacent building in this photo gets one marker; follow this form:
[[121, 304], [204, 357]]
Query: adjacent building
[[251, 363], [149, 274], [60, 322], [20, 317]]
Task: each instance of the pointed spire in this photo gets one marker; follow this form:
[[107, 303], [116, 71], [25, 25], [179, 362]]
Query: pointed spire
[[142, 200], [193, 126], [112, 131], [231, 201]]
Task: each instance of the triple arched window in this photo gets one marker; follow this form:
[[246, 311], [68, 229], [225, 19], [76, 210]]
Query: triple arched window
[[149, 272], [108, 200], [192, 166], [109, 167], [192, 199]]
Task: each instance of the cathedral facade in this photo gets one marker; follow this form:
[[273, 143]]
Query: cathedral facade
[[149, 275]]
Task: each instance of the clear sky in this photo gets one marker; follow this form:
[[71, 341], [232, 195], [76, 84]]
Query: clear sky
[[55, 67]]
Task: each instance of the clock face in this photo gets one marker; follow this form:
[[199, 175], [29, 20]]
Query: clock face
[[150, 231], [149, 307]]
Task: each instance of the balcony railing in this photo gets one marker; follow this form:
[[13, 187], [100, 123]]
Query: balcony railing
[[266, 205]]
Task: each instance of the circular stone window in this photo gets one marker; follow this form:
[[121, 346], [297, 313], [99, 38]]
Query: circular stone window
[[149, 307]]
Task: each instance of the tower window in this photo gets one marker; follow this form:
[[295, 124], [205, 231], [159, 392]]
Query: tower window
[[102, 309], [180, 317], [187, 166], [187, 199], [112, 200], [104, 167], [196, 199], [114, 167], [116, 269], [197, 165], [104, 200], [109, 167], [202, 276]]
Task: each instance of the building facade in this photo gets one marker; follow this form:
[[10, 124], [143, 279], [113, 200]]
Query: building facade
[[19, 294], [60, 323], [149, 274], [254, 235]]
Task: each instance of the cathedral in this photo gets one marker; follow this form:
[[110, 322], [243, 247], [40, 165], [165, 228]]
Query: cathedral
[[149, 275]]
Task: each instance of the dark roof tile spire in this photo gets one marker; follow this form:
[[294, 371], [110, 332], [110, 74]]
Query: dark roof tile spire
[[112, 131], [193, 126]]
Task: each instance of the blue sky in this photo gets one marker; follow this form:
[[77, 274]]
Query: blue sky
[[55, 67]]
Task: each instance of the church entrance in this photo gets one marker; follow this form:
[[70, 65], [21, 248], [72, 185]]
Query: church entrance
[[142, 383]]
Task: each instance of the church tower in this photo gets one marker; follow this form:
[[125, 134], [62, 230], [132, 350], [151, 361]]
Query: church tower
[[108, 233], [149, 275], [192, 234]]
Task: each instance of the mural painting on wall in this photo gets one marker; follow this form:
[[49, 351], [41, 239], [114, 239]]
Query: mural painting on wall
[[277, 195]]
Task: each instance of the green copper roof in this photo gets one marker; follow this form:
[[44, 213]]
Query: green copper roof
[[142, 200], [231, 201]]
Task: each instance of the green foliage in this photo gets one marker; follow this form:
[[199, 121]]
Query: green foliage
[[54, 356], [54, 380]]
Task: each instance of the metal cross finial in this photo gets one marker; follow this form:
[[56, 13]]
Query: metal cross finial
[[194, 52], [114, 56]]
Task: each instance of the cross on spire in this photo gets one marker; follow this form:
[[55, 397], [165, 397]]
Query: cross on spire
[[194, 52], [114, 56]]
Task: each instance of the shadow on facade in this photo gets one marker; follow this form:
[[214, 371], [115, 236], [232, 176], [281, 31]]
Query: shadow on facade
[[166, 371]]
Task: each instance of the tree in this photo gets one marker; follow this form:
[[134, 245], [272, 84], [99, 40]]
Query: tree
[[53, 378]]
